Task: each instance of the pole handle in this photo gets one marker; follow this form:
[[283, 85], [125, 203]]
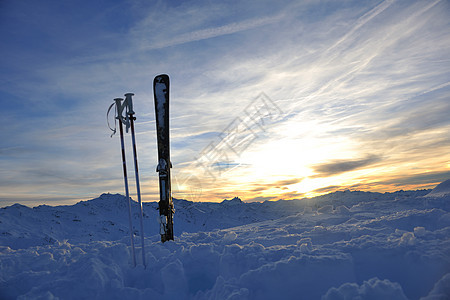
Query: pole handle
[[129, 103]]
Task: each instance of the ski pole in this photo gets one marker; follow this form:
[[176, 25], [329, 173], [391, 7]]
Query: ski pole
[[136, 172], [124, 164]]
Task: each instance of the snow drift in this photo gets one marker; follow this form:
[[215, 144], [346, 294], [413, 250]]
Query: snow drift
[[344, 245]]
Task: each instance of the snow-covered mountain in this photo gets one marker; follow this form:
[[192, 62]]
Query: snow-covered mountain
[[443, 189], [343, 245]]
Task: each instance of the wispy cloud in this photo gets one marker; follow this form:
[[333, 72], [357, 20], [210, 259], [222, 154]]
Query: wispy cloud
[[364, 19], [212, 32], [344, 165]]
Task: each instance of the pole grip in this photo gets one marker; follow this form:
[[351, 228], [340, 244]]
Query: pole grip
[[119, 107], [129, 103]]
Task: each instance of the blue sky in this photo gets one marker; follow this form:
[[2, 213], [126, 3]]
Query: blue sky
[[269, 99]]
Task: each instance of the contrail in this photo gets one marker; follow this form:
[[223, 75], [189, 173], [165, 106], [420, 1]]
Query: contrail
[[212, 32], [363, 20]]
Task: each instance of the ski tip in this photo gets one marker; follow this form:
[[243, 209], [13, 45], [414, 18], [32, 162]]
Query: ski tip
[[161, 78]]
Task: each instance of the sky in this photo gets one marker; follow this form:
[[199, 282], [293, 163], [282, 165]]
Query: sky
[[269, 99]]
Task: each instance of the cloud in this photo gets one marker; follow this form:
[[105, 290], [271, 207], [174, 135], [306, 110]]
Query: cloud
[[33, 200], [343, 165], [213, 32], [362, 21], [419, 179], [260, 199], [374, 75], [393, 182], [283, 183], [327, 189], [278, 184]]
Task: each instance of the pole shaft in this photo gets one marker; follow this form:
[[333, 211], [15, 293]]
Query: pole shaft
[[138, 188], [124, 164]]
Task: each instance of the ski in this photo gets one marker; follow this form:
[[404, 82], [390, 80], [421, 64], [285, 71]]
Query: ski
[[166, 209]]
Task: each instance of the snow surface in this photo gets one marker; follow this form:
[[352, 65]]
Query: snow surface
[[344, 245], [443, 189]]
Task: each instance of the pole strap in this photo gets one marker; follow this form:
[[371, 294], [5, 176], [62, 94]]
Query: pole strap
[[127, 105], [115, 120]]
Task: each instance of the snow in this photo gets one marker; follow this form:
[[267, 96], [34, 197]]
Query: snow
[[344, 245], [160, 94], [443, 189], [371, 289]]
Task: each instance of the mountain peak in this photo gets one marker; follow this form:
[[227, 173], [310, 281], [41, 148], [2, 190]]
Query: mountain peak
[[234, 201], [108, 201]]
